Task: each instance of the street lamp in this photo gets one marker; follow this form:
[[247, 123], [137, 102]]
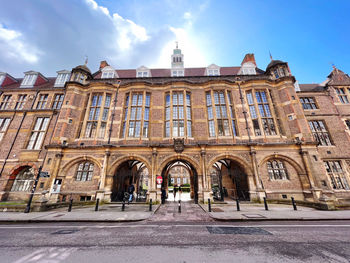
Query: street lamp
[[27, 210]]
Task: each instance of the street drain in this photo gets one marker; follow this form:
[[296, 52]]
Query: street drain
[[237, 230], [65, 232]]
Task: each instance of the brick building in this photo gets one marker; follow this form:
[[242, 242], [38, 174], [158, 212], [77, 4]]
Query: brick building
[[255, 132]]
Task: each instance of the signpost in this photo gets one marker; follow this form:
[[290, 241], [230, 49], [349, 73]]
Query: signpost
[[159, 181]]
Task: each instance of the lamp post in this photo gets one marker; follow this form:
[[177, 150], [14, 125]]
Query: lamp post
[[27, 210]]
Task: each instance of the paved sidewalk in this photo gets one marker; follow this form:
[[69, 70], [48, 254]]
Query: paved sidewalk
[[106, 213], [257, 212]]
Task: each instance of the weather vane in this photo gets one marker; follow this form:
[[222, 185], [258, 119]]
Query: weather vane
[[86, 60]]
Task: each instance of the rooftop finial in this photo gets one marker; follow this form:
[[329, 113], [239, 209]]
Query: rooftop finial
[[177, 44], [86, 60], [270, 55]]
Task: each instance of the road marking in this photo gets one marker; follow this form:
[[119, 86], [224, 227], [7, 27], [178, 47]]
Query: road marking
[[157, 226]]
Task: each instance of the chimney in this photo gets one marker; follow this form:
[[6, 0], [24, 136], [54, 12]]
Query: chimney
[[249, 58], [103, 64]]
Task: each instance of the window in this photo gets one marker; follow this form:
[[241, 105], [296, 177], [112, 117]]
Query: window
[[4, 123], [61, 79], [177, 73], [136, 114], [4, 104], [38, 133], [85, 171], [20, 102], [57, 101], [213, 72], [320, 132], [178, 116], [98, 115], [29, 80], [108, 74], [342, 96], [263, 118], [24, 180], [142, 74], [337, 175], [276, 170], [79, 77], [308, 103], [42, 101]]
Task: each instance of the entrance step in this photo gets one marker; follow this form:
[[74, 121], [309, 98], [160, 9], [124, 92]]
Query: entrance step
[[190, 212]]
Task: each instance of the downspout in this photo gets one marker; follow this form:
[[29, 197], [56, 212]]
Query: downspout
[[113, 113], [244, 111]]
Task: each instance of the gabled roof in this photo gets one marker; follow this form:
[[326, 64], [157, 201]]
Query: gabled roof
[[338, 77]]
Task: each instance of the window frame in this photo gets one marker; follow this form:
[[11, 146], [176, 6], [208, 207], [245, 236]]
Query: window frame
[[307, 104], [144, 118], [21, 100], [37, 140], [337, 175], [277, 172], [80, 170], [42, 100], [342, 94], [6, 100], [57, 103], [4, 124], [186, 114], [318, 134]]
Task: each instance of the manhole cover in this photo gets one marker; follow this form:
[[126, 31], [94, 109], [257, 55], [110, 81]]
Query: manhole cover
[[65, 232], [253, 216], [217, 210], [237, 230]]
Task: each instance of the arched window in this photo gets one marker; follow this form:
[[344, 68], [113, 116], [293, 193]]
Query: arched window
[[85, 171], [276, 170], [24, 180]]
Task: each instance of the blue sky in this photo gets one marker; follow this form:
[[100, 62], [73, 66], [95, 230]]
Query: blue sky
[[50, 35]]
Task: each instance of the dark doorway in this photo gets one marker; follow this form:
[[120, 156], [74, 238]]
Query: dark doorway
[[130, 172], [229, 180]]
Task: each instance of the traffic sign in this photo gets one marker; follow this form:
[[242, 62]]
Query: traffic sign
[[159, 179]]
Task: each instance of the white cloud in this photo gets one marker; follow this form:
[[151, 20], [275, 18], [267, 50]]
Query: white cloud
[[13, 44]]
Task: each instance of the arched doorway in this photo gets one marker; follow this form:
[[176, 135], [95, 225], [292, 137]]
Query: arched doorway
[[180, 173], [130, 172], [228, 179]]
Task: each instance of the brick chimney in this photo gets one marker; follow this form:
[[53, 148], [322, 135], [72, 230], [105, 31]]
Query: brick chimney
[[249, 58], [103, 64]]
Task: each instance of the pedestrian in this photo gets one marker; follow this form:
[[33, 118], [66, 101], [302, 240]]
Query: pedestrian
[[131, 190], [174, 191], [180, 192], [163, 195]]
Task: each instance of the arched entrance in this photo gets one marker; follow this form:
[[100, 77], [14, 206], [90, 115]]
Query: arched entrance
[[228, 179], [180, 173], [130, 172]]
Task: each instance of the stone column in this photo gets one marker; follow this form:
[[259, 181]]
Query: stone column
[[152, 193], [53, 197], [206, 182], [100, 193], [260, 192]]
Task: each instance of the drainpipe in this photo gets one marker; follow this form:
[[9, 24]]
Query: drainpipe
[[113, 113], [244, 111]]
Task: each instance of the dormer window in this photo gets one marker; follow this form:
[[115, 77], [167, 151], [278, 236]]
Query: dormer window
[[62, 78], [213, 72], [29, 80], [142, 74], [248, 68], [108, 74], [177, 73]]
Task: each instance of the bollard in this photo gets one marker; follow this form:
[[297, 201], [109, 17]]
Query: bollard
[[209, 205], [196, 198], [97, 202], [150, 205], [265, 203], [123, 205], [237, 204], [294, 204], [70, 205], [179, 206]]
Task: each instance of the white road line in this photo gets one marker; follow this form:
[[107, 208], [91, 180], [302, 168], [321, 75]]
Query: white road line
[[159, 226]]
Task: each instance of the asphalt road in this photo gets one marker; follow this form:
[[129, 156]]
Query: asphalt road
[[181, 242]]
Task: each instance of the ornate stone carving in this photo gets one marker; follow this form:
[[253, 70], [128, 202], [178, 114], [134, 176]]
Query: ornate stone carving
[[179, 145]]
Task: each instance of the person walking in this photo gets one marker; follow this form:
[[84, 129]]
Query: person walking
[[131, 190], [163, 195], [174, 191], [180, 192]]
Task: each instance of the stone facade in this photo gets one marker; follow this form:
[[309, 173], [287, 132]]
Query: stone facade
[[255, 132]]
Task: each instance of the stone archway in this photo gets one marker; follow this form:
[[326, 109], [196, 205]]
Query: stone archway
[[127, 173], [185, 178]]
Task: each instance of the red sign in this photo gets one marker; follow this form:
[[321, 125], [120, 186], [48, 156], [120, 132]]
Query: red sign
[[159, 179]]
